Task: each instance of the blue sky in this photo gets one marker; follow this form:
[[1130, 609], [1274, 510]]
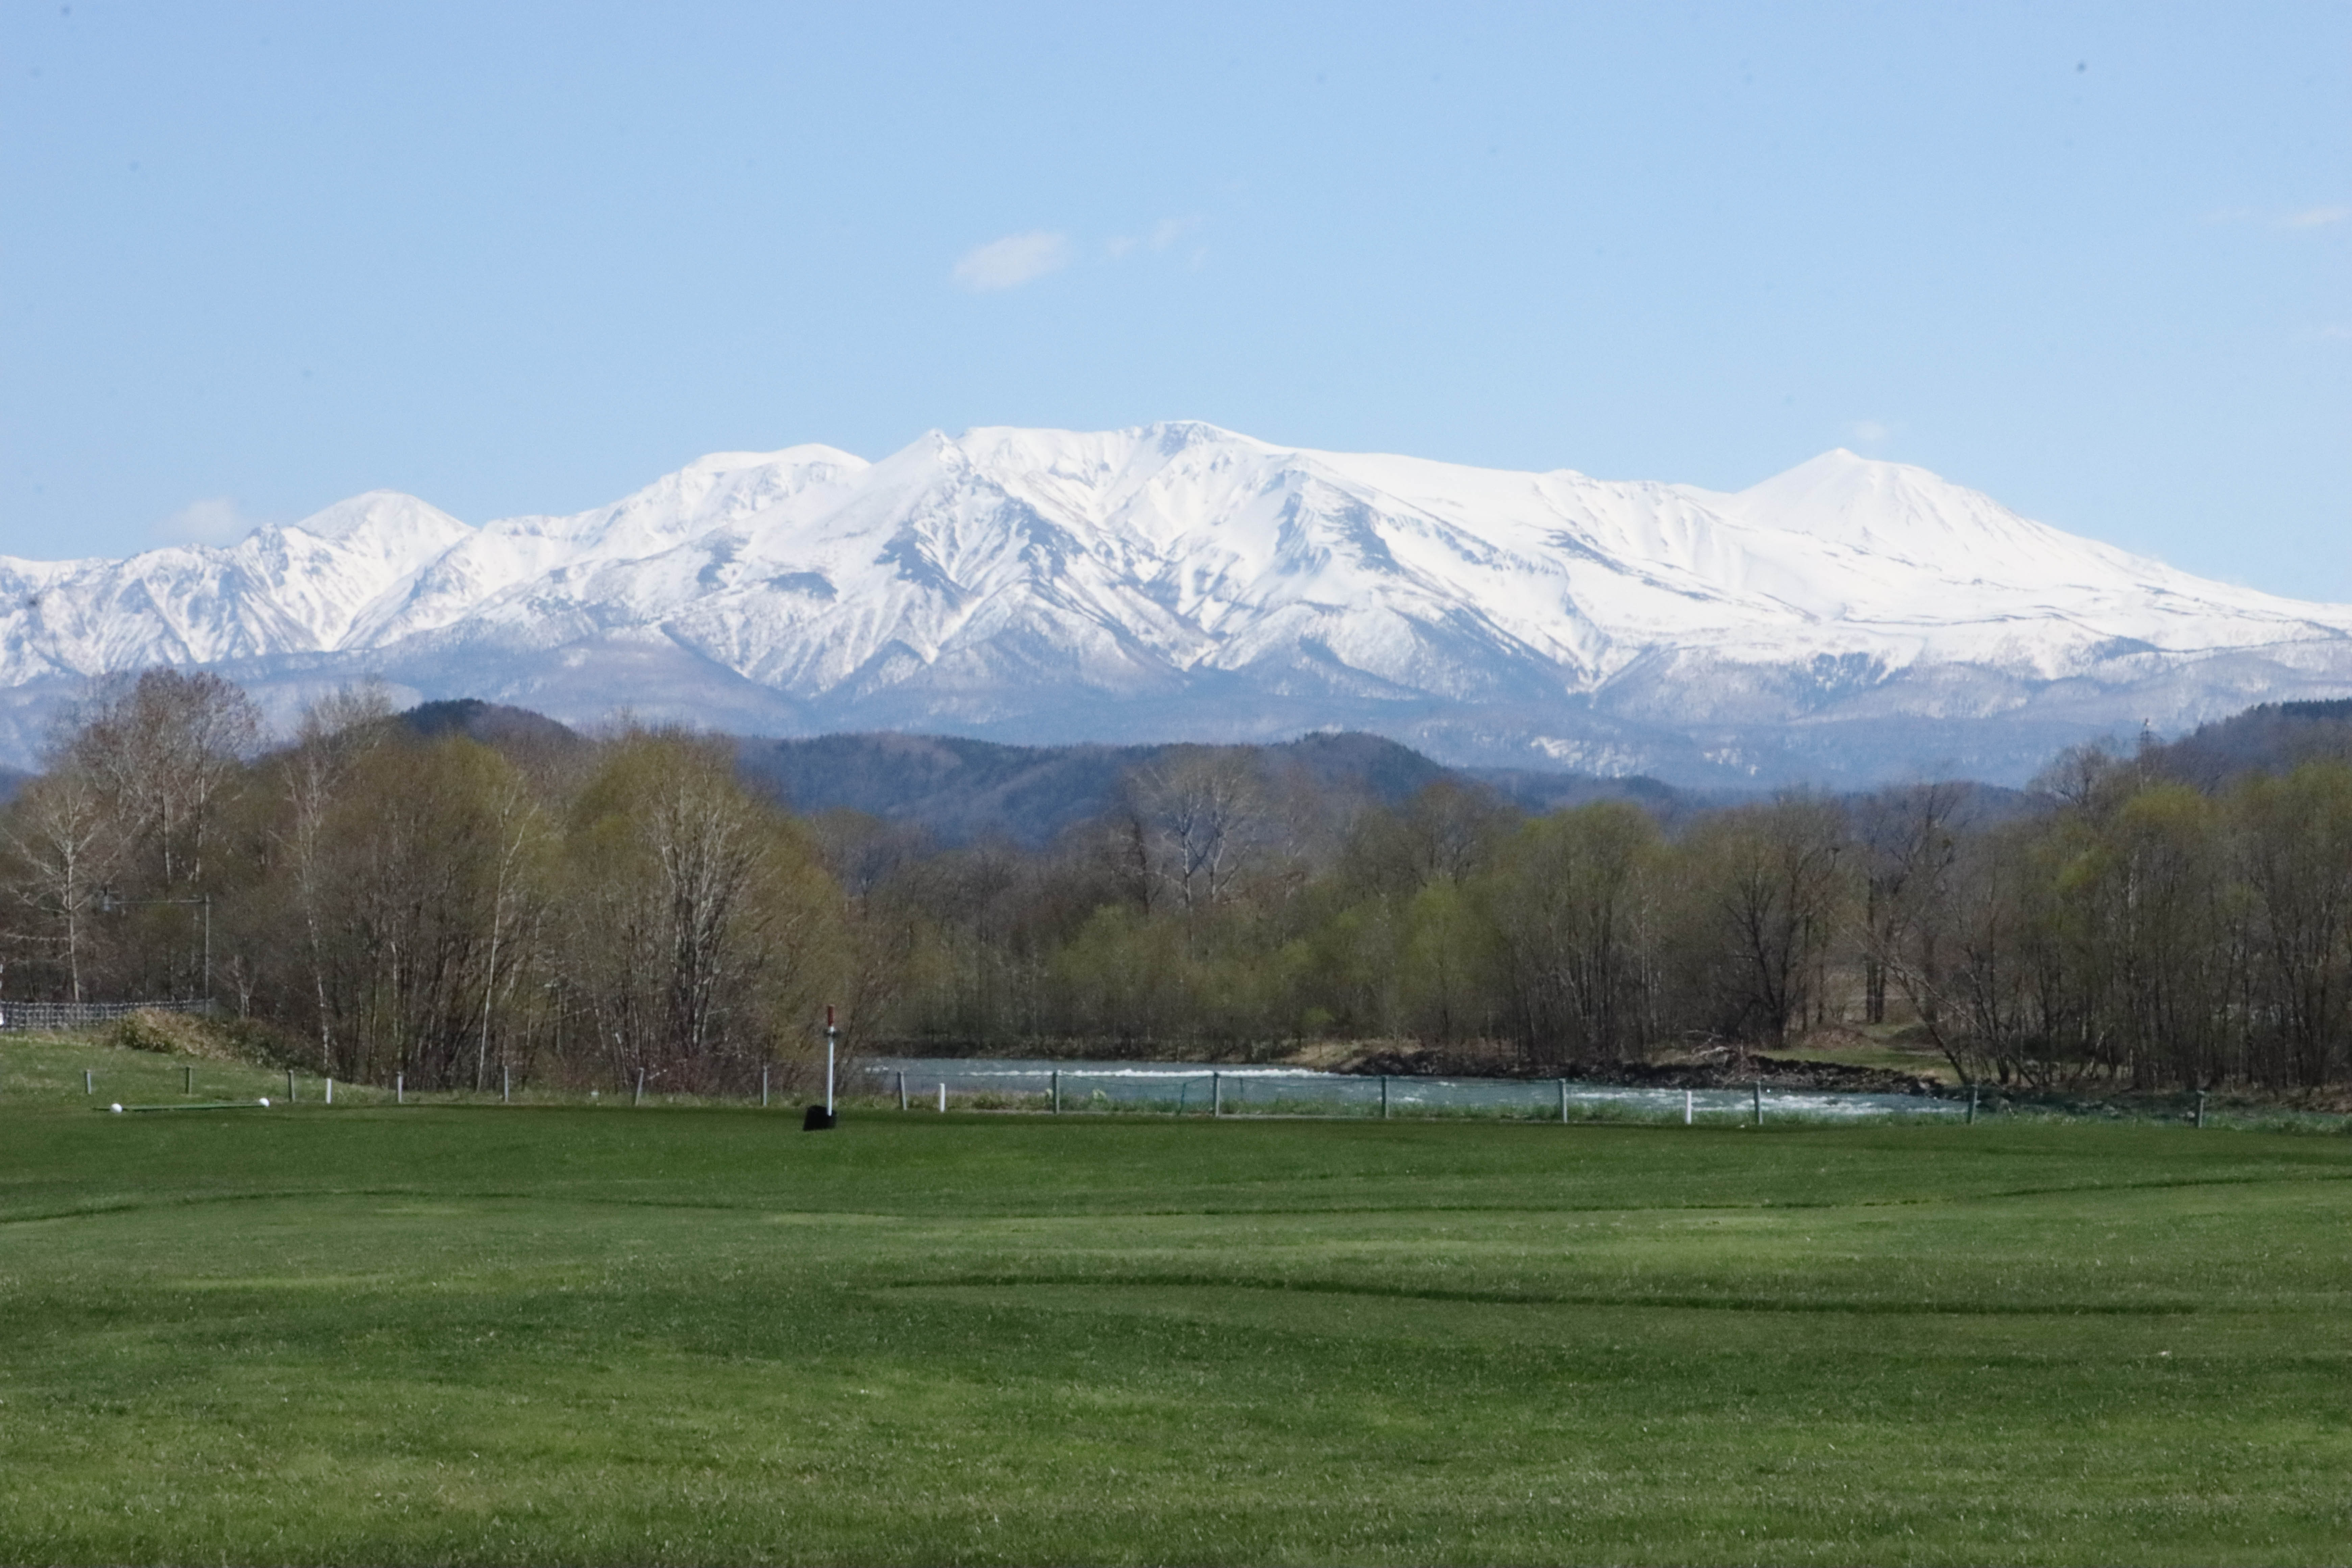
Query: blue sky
[[519, 258]]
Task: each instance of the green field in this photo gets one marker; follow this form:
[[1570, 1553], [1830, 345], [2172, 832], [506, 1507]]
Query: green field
[[598, 1334]]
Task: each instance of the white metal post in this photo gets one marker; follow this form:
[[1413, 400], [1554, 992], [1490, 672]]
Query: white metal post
[[1686, 1108], [1216, 1094], [944, 1097], [1563, 1100], [831, 1035]]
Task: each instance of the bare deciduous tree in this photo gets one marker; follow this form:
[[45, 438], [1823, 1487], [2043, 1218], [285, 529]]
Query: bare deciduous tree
[[1908, 847], [1204, 824], [1578, 906], [2294, 852], [335, 734], [166, 747], [67, 846], [700, 925], [1777, 887]]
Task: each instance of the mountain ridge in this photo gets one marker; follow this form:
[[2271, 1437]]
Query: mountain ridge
[[1847, 620]]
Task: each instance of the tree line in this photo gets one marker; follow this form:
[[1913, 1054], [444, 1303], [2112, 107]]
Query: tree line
[[377, 900], [383, 901]]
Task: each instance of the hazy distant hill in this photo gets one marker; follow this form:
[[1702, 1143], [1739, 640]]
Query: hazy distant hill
[[961, 790], [492, 723], [958, 790], [2273, 738]]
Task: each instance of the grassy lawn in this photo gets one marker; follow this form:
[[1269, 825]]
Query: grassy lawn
[[571, 1334], [38, 1068]]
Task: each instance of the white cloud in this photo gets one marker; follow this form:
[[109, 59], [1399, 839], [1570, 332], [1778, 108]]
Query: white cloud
[[2335, 332], [214, 522], [1869, 430], [1015, 260], [2309, 218], [1164, 233]]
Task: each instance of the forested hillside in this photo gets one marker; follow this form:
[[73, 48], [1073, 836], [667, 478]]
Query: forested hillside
[[959, 790], [463, 890], [2271, 739]]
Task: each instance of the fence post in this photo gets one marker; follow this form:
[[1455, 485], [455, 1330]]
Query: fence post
[[330, 1091], [639, 1097], [902, 1091], [189, 1085], [400, 1088], [290, 1086], [2201, 1109], [1686, 1108], [1216, 1094], [89, 1082], [1563, 1100], [1759, 1101], [506, 1087], [764, 1086], [944, 1097], [1055, 1078], [1384, 1097]]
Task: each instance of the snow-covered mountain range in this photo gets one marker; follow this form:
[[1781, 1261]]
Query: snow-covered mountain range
[[1847, 620]]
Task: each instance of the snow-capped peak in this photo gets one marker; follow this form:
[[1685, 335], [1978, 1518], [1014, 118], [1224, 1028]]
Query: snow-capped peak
[[1179, 579], [1899, 513], [388, 525]]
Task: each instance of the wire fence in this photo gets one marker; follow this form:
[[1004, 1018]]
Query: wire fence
[[30, 1018], [1183, 1089], [1163, 1088]]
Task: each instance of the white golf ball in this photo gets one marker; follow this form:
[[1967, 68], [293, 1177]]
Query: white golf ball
[[265, 1100], [116, 1108]]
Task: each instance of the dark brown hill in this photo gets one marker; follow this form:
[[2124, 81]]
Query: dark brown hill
[[959, 790]]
